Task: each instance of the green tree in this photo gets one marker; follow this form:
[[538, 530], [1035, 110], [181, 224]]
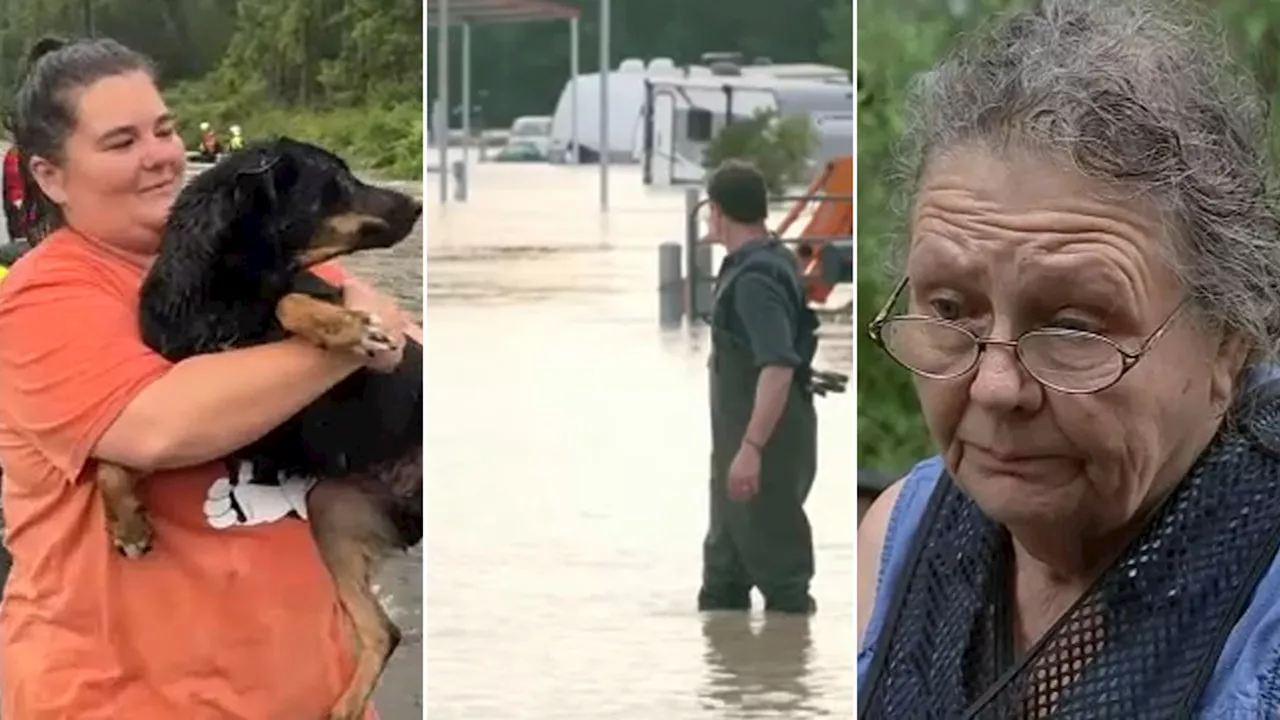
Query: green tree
[[349, 73], [778, 146], [521, 69], [896, 41], [345, 73], [837, 49]]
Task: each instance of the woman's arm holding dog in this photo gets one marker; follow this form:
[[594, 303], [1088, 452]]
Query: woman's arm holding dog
[[77, 380], [208, 406], [75, 377]]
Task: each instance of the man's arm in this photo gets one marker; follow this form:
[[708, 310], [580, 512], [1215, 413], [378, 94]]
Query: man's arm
[[768, 318]]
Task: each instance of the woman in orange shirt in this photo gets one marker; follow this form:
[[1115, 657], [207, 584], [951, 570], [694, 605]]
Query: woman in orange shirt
[[231, 615]]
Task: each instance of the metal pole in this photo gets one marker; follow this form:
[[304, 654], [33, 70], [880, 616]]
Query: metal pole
[[573, 89], [442, 91], [466, 93], [702, 291], [604, 104], [692, 196], [670, 289]]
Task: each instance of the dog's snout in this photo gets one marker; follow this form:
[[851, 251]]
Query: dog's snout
[[395, 206], [408, 211]]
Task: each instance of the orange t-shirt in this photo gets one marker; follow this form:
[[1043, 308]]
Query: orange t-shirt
[[224, 619]]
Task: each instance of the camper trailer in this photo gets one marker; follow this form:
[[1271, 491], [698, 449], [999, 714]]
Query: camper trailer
[[682, 115], [627, 101]]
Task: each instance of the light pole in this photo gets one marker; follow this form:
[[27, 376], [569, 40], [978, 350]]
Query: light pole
[[605, 31]]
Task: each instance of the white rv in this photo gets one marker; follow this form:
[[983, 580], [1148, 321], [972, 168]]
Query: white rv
[[626, 101], [682, 115]]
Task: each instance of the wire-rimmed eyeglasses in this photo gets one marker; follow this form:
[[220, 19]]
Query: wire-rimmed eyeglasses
[[1072, 362]]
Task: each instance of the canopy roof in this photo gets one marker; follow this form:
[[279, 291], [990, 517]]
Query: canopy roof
[[498, 11]]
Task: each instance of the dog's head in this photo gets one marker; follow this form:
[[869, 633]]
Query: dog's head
[[280, 206]]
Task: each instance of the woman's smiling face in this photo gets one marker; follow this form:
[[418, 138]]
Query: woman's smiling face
[[121, 166]]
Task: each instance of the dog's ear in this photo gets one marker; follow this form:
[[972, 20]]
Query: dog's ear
[[224, 218], [260, 185], [258, 192]]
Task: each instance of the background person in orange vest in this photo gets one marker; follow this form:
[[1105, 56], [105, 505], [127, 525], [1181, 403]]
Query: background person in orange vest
[[210, 146]]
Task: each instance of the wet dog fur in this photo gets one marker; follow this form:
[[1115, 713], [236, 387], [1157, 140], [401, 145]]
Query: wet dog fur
[[232, 272]]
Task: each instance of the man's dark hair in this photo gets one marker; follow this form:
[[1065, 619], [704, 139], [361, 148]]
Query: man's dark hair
[[739, 190]]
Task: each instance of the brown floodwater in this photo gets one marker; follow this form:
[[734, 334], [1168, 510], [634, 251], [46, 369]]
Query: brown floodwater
[[567, 454]]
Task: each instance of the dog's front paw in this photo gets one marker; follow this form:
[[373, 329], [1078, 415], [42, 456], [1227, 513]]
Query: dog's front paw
[[324, 324], [375, 339]]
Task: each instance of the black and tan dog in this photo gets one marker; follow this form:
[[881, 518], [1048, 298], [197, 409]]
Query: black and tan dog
[[233, 272]]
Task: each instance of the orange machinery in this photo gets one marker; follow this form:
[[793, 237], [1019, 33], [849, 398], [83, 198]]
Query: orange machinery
[[825, 245]]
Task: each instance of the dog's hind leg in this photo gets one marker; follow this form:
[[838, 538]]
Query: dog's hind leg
[[330, 326], [353, 537], [126, 518]]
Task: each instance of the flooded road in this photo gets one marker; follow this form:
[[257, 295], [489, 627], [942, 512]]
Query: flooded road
[[568, 445]]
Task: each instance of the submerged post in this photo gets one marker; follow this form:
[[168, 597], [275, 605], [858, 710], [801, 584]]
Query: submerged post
[[691, 198], [460, 180], [704, 290], [670, 286]]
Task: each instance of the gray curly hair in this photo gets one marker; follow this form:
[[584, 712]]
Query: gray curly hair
[[1141, 94]]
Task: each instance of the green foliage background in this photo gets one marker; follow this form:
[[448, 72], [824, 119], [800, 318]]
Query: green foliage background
[[344, 73], [778, 147], [349, 73], [521, 69]]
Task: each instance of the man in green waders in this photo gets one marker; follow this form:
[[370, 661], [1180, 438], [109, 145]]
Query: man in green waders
[[764, 430]]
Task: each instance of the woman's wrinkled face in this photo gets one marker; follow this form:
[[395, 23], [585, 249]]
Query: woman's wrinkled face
[[122, 165], [1009, 243]]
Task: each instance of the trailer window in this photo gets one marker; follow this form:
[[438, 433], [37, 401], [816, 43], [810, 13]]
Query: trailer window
[[700, 122]]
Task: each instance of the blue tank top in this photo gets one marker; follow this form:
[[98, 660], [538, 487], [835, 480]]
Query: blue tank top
[[1245, 683]]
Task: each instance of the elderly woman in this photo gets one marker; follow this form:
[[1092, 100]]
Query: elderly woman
[[1090, 298], [232, 615]]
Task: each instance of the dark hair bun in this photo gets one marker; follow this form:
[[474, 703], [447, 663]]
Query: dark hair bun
[[44, 46]]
